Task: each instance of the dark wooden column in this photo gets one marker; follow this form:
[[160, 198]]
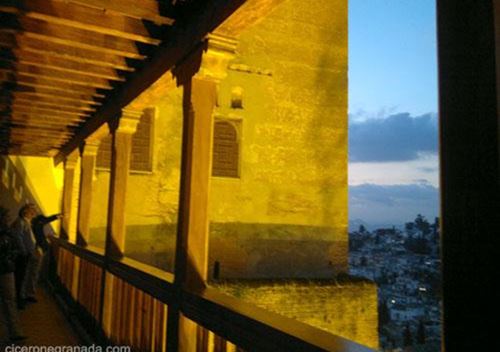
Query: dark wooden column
[[88, 162], [469, 173], [69, 215], [122, 132], [120, 166], [199, 76]]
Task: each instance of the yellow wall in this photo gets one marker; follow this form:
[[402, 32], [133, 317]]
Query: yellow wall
[[347, 309], [287, 213], [31, 179]]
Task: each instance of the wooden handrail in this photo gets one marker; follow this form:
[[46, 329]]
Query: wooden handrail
[[240, 322], [93, 254]]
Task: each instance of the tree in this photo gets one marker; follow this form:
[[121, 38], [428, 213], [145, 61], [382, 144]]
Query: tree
[[422, 225], [384, 316], [421, 333], [407, 338], [364, 261], [410, 228], [362, 229]]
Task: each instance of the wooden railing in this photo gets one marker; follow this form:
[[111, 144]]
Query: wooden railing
[[133, 309]]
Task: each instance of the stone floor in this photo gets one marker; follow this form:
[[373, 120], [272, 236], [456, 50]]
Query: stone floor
[[44, 324]]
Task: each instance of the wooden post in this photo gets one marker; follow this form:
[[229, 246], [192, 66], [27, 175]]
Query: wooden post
[[88, 161], [120, 166], [199, 76], [122, 133], [67, 202]]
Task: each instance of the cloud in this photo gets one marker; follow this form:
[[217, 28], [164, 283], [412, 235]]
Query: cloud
[[393, 204], [399, 137]]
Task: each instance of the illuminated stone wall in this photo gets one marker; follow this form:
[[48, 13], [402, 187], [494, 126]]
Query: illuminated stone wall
[[286, 213], [347, 308], [152, 197]]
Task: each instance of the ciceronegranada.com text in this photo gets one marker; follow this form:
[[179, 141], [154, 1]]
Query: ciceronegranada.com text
[[89, 348]]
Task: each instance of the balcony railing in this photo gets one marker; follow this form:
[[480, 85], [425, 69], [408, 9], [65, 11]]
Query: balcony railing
[[142, 297]]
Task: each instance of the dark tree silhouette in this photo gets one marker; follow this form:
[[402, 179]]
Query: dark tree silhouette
[[384, 317], [421, 333], [407, 338]]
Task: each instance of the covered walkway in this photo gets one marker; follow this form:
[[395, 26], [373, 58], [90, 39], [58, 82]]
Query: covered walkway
[[45, 324]]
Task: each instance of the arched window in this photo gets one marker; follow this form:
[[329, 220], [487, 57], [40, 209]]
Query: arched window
[[225, 150]]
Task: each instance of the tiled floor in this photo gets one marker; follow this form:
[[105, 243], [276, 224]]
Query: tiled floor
[[44, 324]]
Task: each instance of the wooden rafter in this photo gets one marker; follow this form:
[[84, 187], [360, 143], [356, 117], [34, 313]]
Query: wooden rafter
[[38, 100], [47, 110], [84, 17], [42, 83], [78, 38], [47, 61], [62, 99], [66, 52], [144, 9], [19, 87], [57, 75]]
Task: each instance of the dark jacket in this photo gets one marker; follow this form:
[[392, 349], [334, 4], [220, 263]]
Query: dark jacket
[[37, 224], [8, 252]]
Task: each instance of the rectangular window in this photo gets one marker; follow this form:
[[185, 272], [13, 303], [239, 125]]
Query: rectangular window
[[142, 148]]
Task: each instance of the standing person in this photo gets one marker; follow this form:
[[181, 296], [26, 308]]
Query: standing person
[[29, 262], [8, 254], [37, 225]]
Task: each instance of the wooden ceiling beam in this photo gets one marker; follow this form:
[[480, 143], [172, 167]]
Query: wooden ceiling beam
[[78, 38], [47, 110], [64, 100], [84, 17], [41, 120], [80, 111], [62, 93], [47, 84], [32, 100], [45, 120], [145, 9], [58, 76], [54, 98], [65, 52], [47, 61], [38, 129], [43, 113]]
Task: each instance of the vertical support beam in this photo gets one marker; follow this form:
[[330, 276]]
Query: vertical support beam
[[120, 166], [470, 178], [67, 199], [88, 162], [199, 76], [122, 132]]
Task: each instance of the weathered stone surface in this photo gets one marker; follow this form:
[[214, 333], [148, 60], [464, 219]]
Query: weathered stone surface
[[347, 308]]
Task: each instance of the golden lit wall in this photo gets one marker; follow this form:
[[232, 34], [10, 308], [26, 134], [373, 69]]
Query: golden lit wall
[[286, 215], [347, 309], [152, 197], [31, 179]]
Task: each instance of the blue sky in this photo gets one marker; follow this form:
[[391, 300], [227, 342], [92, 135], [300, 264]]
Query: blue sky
[[393, 163]]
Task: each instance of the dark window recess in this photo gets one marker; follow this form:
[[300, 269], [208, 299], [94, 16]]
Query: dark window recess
[[225, 150], [141, 158]]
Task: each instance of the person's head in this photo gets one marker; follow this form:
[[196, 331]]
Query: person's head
[[28, 211]]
